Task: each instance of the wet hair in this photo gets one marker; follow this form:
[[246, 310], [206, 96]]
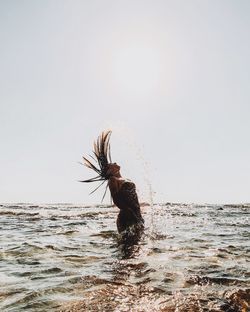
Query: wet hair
[[102, 157]]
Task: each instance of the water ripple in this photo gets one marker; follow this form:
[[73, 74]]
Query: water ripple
[[67, 257]]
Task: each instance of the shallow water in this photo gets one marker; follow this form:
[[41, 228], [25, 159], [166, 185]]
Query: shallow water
[[67, 257]]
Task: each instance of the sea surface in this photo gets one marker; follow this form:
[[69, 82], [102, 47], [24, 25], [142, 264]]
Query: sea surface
[[66, 257]]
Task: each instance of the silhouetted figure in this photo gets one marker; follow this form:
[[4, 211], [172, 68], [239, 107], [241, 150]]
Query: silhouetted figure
[[123, 192]]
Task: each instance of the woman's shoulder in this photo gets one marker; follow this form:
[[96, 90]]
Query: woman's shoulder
[[128, 183], [121, 184]]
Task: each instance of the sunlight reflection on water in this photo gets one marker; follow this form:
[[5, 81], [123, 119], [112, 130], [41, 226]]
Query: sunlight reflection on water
[[68, 257]]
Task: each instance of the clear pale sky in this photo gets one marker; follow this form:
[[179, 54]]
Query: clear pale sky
[[170, 78]]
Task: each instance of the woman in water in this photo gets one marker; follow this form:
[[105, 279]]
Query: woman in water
[[123, 192]]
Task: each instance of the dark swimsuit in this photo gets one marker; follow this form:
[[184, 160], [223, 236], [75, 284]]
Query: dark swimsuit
[[127, 201]]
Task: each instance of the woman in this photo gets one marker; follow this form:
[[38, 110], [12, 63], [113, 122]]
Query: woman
[[123, 192]]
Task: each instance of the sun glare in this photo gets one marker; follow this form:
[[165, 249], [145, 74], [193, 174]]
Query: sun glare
[[137, 70]]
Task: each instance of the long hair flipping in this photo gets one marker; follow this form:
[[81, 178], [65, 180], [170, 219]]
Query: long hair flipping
[[102, 157]]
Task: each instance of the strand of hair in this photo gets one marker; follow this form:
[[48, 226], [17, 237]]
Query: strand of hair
[[97, 187]]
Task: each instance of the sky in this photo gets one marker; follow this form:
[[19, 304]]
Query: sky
[[169, 78]]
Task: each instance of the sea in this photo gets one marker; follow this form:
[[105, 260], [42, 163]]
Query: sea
[[69, 257]]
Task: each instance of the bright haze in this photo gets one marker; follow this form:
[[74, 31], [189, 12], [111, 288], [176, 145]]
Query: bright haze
[[170, 78]]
